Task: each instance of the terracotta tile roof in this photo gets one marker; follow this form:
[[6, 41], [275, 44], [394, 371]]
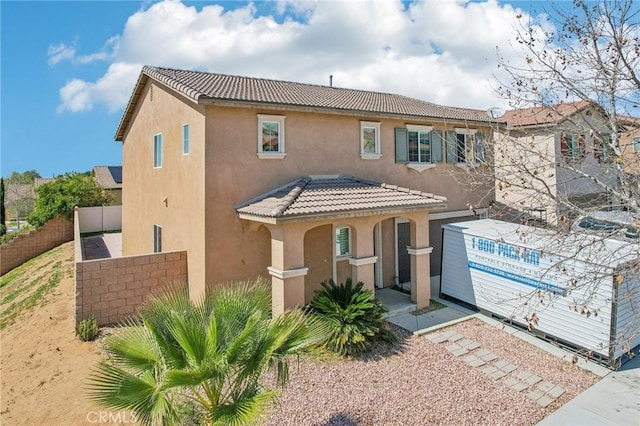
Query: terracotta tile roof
[[333, 195], [210, 87], [552, 114]]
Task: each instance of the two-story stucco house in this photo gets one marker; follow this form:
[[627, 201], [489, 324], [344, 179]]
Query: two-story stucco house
[[550, 161], [296, 182]]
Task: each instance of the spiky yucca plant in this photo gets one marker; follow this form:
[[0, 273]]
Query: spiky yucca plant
[[211, 353], [353, 316]]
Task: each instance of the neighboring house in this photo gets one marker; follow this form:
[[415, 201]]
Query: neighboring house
[[110, 178], [550, 158], [630, 145], [298, 182], [41, 181]]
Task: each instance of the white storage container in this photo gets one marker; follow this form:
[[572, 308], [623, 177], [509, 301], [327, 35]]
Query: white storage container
[[577, 289]]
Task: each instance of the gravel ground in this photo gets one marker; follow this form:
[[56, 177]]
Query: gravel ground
[[419, 382]]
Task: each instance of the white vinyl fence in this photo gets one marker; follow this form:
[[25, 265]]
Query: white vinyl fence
[[100, 219]]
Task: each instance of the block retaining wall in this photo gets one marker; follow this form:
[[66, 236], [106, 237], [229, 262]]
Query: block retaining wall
[[111, 290], [27, 246]]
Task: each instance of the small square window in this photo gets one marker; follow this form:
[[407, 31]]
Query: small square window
[[185, 139], [369, 139], [271, 136], [343, 241], [157, 150]]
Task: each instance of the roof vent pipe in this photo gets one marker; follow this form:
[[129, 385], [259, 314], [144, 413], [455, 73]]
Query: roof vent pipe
[[331, 80]]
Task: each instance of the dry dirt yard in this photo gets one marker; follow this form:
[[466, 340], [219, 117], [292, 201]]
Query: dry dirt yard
[[416, 382]]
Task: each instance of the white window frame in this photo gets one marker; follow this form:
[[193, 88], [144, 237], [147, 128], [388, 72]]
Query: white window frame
[[157, 238], [421, 166], [186, 139], [467, 141], [157, 151], [336, 233], [376, 127], [470, 144], [272, 155]]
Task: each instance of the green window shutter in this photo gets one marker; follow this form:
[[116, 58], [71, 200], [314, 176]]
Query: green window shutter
[[402, 146], [437, 153], [452, 147], [342, 241], [478, 148]]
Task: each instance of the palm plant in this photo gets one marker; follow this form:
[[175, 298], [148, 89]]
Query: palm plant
[[211, 353], [354, 318]]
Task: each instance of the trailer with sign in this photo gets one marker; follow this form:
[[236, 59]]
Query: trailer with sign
[[579, 290]]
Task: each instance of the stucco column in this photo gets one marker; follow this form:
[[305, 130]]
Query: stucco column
[[287, 269], [419, 255], [362, 260]]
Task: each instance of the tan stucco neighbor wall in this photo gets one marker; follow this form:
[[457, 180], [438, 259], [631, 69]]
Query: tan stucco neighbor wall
[[111, 290]]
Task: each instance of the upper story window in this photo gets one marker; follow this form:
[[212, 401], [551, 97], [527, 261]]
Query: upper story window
[[602, 149], [343, 241], [421, 148], [370, 140], [157, 151], [465, 146], [572, 146], [271, 136], [421, 141], [636, 144], [185, 139], [418, 146]]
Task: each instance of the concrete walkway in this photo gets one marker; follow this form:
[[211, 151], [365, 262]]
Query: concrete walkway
[[614, 400]]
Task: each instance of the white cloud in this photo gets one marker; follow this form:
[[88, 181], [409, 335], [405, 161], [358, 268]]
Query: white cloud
[[112, 90], [59, 53], [442, 52]]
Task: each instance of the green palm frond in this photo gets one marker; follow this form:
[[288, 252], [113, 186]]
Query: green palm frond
[[115, 388], [211, 352], [354, 318], [243, 409]]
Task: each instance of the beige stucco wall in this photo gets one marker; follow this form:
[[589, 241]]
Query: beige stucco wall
[[315, 144], [318, 249], [171, 196], [199, 212]]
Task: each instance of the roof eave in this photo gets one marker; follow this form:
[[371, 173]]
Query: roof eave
[[203, 100], [343, 215], [131, 105]]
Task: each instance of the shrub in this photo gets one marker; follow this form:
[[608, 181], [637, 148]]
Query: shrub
[[87, 329], [354, 317]]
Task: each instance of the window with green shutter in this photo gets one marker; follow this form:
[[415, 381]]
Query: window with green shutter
[[343, 243], [402, 146]]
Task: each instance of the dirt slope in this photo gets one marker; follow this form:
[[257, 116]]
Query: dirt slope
[[43, 366]]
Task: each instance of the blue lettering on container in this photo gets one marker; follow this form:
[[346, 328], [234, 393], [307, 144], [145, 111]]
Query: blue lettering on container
[[530, 282]]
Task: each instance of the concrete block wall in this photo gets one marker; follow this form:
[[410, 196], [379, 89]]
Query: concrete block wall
[[111, 290], [27, 246]]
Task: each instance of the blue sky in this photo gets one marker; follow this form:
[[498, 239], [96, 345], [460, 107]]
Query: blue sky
[[68, 68]]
